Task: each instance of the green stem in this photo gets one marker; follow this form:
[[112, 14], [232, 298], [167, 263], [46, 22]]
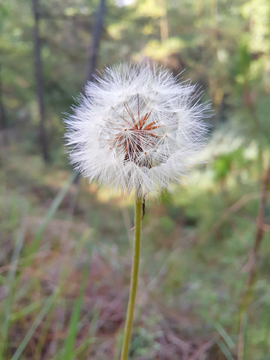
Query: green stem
[[134, 276]]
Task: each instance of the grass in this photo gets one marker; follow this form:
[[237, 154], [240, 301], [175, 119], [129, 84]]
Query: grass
[[72, 330], [65, 264]]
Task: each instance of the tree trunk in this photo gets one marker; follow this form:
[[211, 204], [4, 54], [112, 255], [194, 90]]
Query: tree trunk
[[93, 53], [39, 82], [164, 26], [3, 118]]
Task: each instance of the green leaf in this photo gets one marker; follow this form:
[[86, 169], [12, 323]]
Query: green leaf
[[70, 340]]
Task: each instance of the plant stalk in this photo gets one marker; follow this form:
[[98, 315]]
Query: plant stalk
[[134, 276]]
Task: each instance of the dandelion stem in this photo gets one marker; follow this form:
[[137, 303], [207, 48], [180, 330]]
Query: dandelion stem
[[134, 276]]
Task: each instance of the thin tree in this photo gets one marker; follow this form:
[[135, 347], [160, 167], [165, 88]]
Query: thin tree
[[3, 118], [164, 26], [39, 82], [93, 50]]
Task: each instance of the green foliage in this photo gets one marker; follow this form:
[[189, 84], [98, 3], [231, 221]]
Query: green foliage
[[167, 225], [222, 167], [228, 162]]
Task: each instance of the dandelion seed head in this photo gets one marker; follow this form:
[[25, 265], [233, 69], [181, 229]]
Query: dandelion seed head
[[137, 128]]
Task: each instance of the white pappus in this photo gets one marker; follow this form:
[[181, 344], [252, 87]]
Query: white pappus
[[137, 128]]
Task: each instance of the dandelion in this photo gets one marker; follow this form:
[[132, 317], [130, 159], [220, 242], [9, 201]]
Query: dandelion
[[137, 129]]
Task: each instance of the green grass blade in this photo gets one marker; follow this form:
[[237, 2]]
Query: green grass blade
[[225, 350], [50, 213], [70, 340], [245, 330], [10, 281], [90, 339], [25, 311], [223, 333], [34, 326]]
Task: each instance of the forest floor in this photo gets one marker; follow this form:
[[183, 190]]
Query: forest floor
[[66, 258]]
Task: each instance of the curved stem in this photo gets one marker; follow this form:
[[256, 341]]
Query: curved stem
[[134, 276]]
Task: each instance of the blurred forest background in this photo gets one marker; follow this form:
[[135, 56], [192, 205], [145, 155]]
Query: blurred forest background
[[65, 258]]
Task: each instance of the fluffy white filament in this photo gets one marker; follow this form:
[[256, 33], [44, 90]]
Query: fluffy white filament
[[137, 128]]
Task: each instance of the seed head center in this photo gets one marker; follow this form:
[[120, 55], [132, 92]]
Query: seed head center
[[134, 139]]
